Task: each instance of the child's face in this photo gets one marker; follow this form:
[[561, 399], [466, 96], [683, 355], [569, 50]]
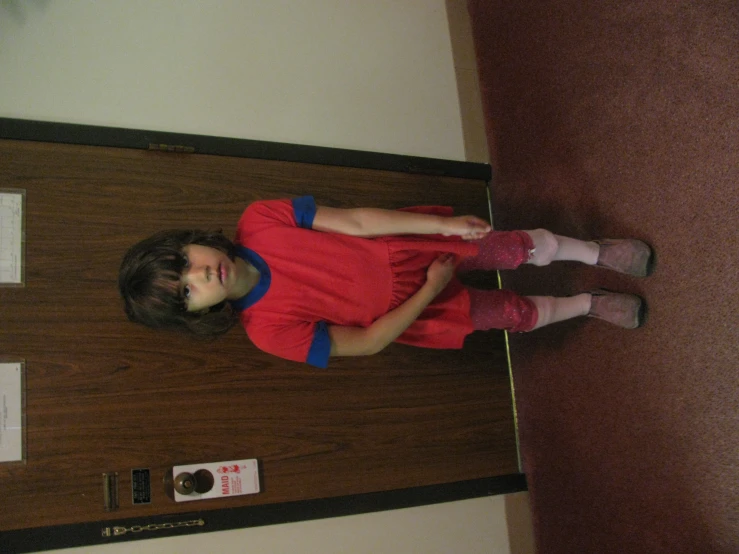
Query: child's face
[[209, 278]]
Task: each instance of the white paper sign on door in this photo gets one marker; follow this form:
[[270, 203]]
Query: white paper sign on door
[[231, 478], [11, 237], [11, 412]]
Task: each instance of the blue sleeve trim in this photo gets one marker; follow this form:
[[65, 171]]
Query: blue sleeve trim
[[320, 348], [305, 210]]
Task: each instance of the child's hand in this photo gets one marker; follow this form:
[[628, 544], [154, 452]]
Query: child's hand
[[468, 227], [441, 271]]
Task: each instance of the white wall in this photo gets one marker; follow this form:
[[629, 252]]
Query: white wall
[[373, 75]]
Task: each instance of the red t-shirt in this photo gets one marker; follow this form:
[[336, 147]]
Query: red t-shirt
[[311, 279]]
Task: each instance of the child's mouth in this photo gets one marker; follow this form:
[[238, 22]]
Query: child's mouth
[[221, 273]]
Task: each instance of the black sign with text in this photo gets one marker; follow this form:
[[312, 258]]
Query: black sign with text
[[141, 486]]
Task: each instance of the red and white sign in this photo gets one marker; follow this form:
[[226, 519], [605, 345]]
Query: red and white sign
[[230, 479]]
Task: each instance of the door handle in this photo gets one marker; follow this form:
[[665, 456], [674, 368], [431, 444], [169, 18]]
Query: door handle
[[187, 483], [212, 480]]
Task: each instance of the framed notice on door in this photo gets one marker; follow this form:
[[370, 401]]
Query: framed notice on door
[[12, 412], [12, 237]]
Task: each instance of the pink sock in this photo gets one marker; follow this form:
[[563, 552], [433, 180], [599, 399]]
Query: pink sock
[[549, 247], [552, 310]]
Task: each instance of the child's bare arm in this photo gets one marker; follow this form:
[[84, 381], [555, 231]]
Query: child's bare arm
[[364, 341], [375, 222]]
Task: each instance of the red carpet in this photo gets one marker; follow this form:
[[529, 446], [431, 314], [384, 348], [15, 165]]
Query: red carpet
[[621, 119]]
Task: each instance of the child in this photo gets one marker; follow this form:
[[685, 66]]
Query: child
[[309, 282]]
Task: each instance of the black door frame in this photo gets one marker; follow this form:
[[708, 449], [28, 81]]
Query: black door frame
[[91, 533], [90, 135]]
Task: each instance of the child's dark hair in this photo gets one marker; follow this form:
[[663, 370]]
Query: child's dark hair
[[149, 284]]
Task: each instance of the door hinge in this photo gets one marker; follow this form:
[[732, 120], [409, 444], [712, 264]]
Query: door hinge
[[172, 148], [110, 491]]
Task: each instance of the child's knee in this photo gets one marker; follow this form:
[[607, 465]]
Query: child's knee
[[545, 246]]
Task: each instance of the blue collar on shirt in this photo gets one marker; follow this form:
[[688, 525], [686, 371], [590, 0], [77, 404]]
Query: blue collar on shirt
[[265, 278]]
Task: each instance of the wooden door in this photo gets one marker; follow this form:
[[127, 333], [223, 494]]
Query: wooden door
[[107, 396]]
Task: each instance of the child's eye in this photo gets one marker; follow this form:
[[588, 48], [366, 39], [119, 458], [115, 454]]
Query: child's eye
[[185, 260], [186, 291]]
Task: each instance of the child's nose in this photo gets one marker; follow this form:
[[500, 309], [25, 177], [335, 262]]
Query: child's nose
[[201, 272]]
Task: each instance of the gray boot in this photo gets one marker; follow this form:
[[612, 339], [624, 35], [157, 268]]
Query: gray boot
[[625, 310], [629, 256]]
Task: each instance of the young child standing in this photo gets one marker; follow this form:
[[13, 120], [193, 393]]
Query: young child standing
[[309, 282]]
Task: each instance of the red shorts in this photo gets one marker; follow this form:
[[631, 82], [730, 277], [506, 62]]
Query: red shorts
[[501, 309]]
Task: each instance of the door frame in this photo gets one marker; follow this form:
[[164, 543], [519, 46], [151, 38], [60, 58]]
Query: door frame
[[91, 533], [91, 135]]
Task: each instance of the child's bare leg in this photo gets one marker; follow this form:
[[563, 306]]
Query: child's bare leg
[[510, 249], [553, 310], [629, 256], [504, 309], [624, 310], [549, 247]]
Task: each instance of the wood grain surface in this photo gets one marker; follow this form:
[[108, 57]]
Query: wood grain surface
[[105, 395]]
